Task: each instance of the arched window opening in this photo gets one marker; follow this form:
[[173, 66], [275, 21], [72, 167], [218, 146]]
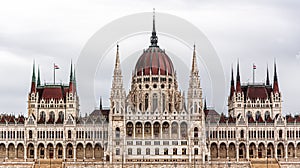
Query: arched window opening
[[42, 116], [163, 102], [69, 134], [195, 132], [117, 132], [30, 134], [146, 101], [257, 115], [280, 133], [242, 133], [154, 107], [129, 129], [51, 116], [267, 115]]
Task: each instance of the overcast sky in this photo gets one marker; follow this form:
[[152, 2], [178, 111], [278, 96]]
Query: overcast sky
[[56, 31]]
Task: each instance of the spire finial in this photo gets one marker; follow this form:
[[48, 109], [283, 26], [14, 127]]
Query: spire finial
[[100, 103], [39, 79], [267, 80], [194, 61], [153, 38], [71, 72], [33, 71]]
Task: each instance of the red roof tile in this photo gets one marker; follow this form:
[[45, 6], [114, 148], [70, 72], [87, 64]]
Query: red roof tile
[[55, 93]]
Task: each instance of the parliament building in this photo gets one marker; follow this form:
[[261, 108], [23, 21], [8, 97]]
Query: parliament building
[[154, 124]]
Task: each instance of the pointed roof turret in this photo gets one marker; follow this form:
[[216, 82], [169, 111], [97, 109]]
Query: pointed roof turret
[[205, 107], [153, 38], [100, 103], [33, 80], [267, 80], [238, 78], [232, 90], [39, 78], [194, 62], [275, 82], [117, 63], [71, 73]]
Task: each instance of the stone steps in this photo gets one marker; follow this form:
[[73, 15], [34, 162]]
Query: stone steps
[[47, 163], [264, 163]]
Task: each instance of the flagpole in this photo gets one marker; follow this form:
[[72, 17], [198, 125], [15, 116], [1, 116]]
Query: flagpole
[[54, 72], [253, 73]]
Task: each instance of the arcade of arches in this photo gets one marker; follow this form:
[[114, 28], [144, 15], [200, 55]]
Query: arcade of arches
[[49, 151], [243, 152]]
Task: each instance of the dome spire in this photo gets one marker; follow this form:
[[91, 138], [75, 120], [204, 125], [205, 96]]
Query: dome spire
[[153, 37]]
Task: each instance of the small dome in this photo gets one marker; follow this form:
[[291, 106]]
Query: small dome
[[154, 61]]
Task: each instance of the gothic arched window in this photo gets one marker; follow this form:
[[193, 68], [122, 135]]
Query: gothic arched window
[[146, 101], [51, 116], [154, 107], [267, 115], [117, 132], [163, 102], [42, 116]]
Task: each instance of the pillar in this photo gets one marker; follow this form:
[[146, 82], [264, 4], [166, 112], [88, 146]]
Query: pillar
[[64, 153], [15, 152], [54, 152], [275, 152], [295, 151], [35, 152], [25, 153], [247, 152], [152, 131], [84, 148], [6, 153], [74, 153], [237, 153]]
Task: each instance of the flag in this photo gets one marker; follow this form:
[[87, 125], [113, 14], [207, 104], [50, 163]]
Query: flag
[[56, 66], [254, 66]]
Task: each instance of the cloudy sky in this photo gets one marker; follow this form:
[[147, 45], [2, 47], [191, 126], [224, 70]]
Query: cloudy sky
[[56, 31]]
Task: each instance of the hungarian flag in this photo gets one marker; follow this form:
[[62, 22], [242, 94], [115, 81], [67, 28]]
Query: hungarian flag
[[56, 66], [254, 66]]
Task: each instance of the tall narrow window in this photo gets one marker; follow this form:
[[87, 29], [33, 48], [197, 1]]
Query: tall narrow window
[[117, 132], [163, 102], [146, 101], [154, 107]]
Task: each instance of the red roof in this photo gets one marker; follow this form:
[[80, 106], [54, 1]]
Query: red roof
[[290, 119], [153, 60], [52, 92], [254, 92]]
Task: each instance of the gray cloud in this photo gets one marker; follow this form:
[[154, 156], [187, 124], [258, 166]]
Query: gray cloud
[[49, 31]]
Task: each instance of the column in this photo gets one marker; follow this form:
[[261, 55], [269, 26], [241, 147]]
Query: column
[[93, 152], [64, 153], [275, 147], [25, 153], [295, 151], [35, 152], [247, 151], [45, 153], [152, 131], [237, 152], [54, 153], [161, 133], [74, 153], [84, 148], [15, 152], [6, 155], [143, 132], [133, 130], [286, 152]]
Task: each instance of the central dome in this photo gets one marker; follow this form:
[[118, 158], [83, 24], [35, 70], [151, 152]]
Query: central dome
[[154, 61]]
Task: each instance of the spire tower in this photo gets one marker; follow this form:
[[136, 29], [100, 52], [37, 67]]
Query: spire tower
[[153, 38]]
